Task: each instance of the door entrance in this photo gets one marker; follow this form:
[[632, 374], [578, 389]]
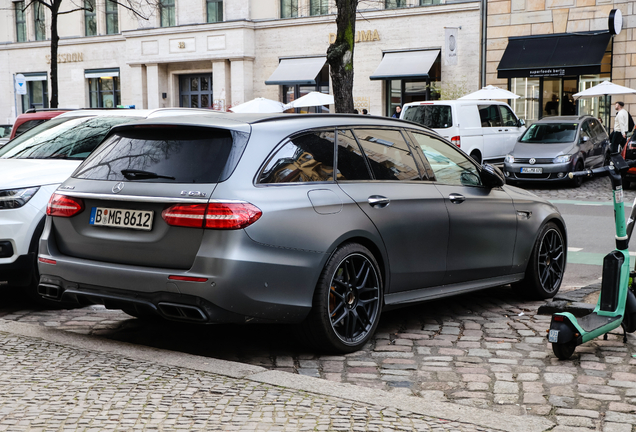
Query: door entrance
[[195, 91]]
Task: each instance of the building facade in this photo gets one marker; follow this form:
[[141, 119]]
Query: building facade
[[216, 54], [547, 50]]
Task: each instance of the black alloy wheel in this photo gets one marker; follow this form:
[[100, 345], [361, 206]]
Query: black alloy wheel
[[347, 301], [547, 264]]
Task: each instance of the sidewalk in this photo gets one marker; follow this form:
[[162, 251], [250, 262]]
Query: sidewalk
[[56, 380]]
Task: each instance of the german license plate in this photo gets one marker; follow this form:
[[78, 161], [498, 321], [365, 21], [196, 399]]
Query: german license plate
[[121, 218], [553, 336], [533, 170]]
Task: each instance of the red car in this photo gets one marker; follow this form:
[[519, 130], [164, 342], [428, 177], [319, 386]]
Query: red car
[[29, 119]]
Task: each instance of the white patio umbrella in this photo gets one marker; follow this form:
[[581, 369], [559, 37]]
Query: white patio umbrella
[[603, 89], [311, 99], [490, 92], [259, 105]]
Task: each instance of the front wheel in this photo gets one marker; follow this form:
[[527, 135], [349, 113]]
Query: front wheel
[[577, 181], [546, 266], [347, 301], [564, 351]]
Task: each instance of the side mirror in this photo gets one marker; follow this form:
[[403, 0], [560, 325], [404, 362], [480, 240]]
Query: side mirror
[[585, 138], [521, 122], [492, 176]]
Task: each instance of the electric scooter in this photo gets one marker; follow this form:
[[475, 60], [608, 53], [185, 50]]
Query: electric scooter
[[616, 303]]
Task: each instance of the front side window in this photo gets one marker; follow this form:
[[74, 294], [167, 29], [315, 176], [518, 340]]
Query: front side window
[[507, 116], [39, 22], [288, 8], [90, 18], [20, 22], [447, 163], [550, 133], [112, 17], [319, 7], [388, 154], [489, 115], [304, 158], [394, 4], [104, 92], [214, 10], [167, 13]]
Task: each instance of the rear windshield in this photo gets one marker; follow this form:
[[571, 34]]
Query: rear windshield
[[163, 155], [433, 116], [62, 138], [550, 133]]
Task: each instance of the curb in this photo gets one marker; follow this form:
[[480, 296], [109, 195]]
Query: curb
[[443, 410]]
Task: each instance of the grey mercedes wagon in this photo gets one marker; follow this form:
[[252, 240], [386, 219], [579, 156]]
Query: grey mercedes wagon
[[322, 220]]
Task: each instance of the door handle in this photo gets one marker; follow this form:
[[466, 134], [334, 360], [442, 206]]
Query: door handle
[[456, 198], [378, 201]]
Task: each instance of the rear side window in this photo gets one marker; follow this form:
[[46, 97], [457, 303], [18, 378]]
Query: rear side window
[[433, 116], [388, 154], [351, 163], [304, 158], [163, 155], [489, 115], [27, 125]]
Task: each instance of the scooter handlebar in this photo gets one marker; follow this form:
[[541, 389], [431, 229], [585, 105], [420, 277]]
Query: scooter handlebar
[[600, 171]]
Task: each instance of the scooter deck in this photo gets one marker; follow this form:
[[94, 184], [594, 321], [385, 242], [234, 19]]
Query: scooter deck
[[593, 321]]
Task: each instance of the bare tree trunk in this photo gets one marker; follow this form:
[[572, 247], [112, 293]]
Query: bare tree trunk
[[55, 39], [340, 56]]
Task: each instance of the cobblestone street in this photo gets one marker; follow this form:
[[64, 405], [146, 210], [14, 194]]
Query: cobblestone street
[[484, 350]]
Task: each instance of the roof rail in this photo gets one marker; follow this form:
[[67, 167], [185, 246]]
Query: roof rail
[[33, 110]]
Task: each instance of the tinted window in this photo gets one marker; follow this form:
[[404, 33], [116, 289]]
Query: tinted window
[[449, 165], [351, 162], [184, 155], [433, 116], [5, 131], [489, 115], [507, 116], [389, 156], [67, 138], [597, 129], [550, 133], [586, 130], [304, 158], [27, 125]]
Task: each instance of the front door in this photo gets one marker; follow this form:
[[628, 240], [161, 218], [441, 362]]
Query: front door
[[195, 91]]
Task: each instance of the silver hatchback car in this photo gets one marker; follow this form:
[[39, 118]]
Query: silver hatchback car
[[322, 220]]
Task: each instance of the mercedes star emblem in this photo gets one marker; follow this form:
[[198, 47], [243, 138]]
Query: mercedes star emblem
[[532, 162], [118, 187]]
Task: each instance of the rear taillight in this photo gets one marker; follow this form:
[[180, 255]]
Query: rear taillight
[[64, 206], [457, 141], [217, 215]]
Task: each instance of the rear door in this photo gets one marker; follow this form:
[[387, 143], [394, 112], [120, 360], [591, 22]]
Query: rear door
[[406, 208], [130, 186], [483, 221]]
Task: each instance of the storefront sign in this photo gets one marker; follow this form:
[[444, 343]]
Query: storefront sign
[[546, 72], [67, 58], [361, 36]]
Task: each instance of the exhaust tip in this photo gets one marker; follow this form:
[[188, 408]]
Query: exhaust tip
[[182, 312], [50, 291]]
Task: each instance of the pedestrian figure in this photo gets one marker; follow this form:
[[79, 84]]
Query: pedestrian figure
[[621, 121], [365, 112], [397, 112]]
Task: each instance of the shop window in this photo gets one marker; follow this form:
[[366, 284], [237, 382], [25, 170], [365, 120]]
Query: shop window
[[167, 13], [319, 7], [39, 21], [104, 92], [20, 22], [430, 2], [527, 105], [90, 18], [401, 91], [37, 93], [288, 8], [112, 17], [214, 10], [394, 4]]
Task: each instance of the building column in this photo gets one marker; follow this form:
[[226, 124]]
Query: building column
[[242, 81], [152, 86], [221, 85], [136, 87]]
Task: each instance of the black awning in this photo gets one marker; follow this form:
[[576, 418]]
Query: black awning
[[553, 55]]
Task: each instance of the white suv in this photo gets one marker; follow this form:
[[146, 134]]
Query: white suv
[[33, 165]]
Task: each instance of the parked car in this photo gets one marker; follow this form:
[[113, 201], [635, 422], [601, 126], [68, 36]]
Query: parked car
[[31, 119], [486, 130], [33, 165], [323, 220], [5, 133], [629, 152], [554, 146]]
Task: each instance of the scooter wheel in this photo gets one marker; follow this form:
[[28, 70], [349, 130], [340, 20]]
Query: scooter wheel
[[563, 351]]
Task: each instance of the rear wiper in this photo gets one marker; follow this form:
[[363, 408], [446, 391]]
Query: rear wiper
[[132, 174]]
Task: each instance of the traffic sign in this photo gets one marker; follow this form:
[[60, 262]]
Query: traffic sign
[[20, 84]]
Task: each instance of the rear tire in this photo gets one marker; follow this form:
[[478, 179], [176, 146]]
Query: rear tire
[[564, 351], [347, 301], [546, 266]]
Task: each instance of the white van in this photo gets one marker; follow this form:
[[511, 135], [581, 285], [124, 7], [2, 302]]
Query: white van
[[486, 130]]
